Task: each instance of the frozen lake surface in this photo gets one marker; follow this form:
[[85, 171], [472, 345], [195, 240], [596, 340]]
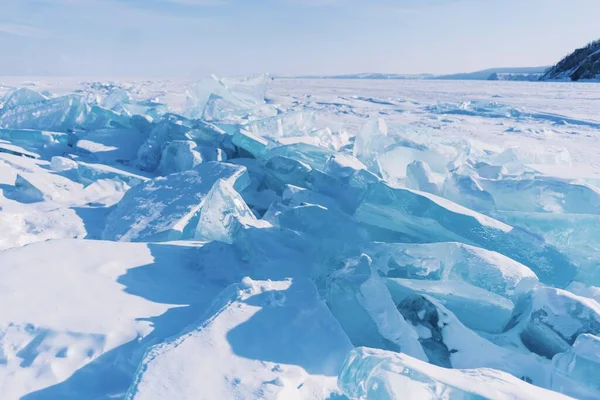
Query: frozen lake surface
[[299, 239]]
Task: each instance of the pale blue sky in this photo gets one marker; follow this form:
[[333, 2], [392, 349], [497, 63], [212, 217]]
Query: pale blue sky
[[195, 37]]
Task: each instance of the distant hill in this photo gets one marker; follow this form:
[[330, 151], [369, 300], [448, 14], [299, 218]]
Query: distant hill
[[488, 74], [369, 75], [517, 73], [583, 63]]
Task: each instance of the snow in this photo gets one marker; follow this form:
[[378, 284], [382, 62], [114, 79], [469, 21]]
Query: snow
[[240, 237], [280, 331]]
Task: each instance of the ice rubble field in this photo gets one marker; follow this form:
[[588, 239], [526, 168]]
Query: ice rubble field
[[299, 239]]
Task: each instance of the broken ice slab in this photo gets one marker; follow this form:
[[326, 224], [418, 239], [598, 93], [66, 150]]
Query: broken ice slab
[[543, 195], [219, 108], [488, 109], [449, 343], [34, 138], [116, 99], [576, 235], [420, 177], [428, 218], [296, 196], [58, 163], [333, 232], [280, 171], [224, 215], [467, 191], [98, 118], [88, 173], [252, 88], [490, 171], [34, 187], [151, 108], [21, 97], [548, 320], [199, 94], [7, 147], [169, 128], [279, 330], [515, 157], [285, 125], [360, 301], [110, 145], [370, 142], [252, 144], [206, 134], [179, 156], [233, 111], [314, 156], [103, 193], [476, 308], [453, 262], [166, 208], [576, 372], [384, 375], [57, 114], [394, 159], [342, 166]]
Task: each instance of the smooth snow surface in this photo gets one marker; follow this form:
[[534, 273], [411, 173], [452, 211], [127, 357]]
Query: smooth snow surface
[[243, 238]]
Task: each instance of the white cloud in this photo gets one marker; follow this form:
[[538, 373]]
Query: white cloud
[[20, 30]]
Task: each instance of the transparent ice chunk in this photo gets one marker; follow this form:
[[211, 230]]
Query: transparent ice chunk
[[166, 208], [283, 170], [116, 99], [370, 142], [543, 195], [254, 145], [179, 156], [58, 163], [384, 375], [224, 214], [420, 177], [149, 153], [22, 97], [428, 218], [57, 114], [576, 372], [548, 320], [360, 301], [466, 191], [453, 262]]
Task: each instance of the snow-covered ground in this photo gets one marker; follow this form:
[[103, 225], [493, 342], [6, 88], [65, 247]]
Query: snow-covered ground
[[299, 239]]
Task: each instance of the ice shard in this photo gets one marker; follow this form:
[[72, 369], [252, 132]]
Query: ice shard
[[166, 208], [576, 372], [549, 320], [255, 146], [179, 156], [360, 301], [467, 191], [384, 375], [149, 153], [428, 218], [57, 114], [224, 214], [453, 262], [420, 177], [21, 97]]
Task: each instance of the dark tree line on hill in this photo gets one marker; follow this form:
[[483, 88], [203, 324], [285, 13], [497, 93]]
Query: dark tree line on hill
[[583, 63]]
